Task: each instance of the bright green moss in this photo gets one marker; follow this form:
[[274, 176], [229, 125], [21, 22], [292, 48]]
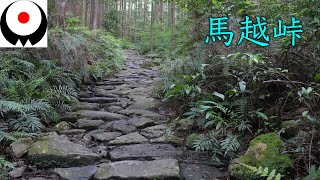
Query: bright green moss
[[190, 140], [265, 151]]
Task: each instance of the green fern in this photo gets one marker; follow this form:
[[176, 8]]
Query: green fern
[[4, 164], [314, 173], [230, 144], [263, 172], [26, 123], [25, 107], [218, 144], [5, 135]]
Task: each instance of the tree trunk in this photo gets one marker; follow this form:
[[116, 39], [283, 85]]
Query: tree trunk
[[92, 13], [136, 13], [84, 12], [124, 5], [145, 14], [161, 15], [152, 26], [169, 13], [173, 6], [96, 14], [129, 17], [140, 9]]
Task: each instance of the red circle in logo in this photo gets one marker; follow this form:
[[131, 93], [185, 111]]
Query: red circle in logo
[[23, 17]]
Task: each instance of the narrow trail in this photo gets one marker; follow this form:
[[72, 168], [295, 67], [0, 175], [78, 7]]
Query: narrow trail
[[119, 132]]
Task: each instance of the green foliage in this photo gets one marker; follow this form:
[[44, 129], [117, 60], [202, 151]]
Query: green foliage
[[265, 150], [263, 172], [93, 54], [33, 91], [191, 139], [314, 173], [71, 20], [5, 166], [111, 22], [218, 143]]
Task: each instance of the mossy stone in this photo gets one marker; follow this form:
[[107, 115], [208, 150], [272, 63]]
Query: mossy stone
[[58, 151], [291, 128], [265, 151], [190, 140], [62, 126], [186, 122]]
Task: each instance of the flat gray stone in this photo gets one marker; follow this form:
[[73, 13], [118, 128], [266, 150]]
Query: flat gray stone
[[145, 103], [158, 169], [106, 136], [73, 132], [144, 151], [87, 138], [100, 100], [104, 93], [141, 112], [132, 138], [103, 86], [89, 124], [174, 140], [123, 125], [154, 131], [86, 106], [61, 151], [21, 146], [70, 117], [200, 171], [76, 173], [123, 104], [115, 108], [141, 122], [17, 172], [103, 115]]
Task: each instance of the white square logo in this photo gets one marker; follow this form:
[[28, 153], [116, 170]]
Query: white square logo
[[23, 23]]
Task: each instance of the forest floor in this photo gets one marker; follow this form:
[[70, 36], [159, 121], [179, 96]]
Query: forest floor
[[119, 131]]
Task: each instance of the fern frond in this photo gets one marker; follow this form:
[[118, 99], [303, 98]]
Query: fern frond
[[263, 172], [11, 106], [230, 144], [5, 164], [26, 123], [6, 136]]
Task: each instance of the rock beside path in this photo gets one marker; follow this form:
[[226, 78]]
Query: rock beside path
[[76, 173], [106, 136], [144, 151], [21, 146], [132, 138], [200, 171], [158, 169], [102, 115], [58, 151]]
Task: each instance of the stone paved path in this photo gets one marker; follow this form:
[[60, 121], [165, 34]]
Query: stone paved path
[[118, 133]]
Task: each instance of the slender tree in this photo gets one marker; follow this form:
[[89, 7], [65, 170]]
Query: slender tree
[[124, 5], [145, 11], [152, 25], [173, 6]]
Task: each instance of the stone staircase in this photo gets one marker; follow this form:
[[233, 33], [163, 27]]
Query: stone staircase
[[118, 132]]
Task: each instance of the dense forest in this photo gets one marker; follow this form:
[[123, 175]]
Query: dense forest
[[218, 89]]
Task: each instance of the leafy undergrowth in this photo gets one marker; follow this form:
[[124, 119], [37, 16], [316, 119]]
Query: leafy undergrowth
[[229, 99], [37, 84], [228, 96]]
